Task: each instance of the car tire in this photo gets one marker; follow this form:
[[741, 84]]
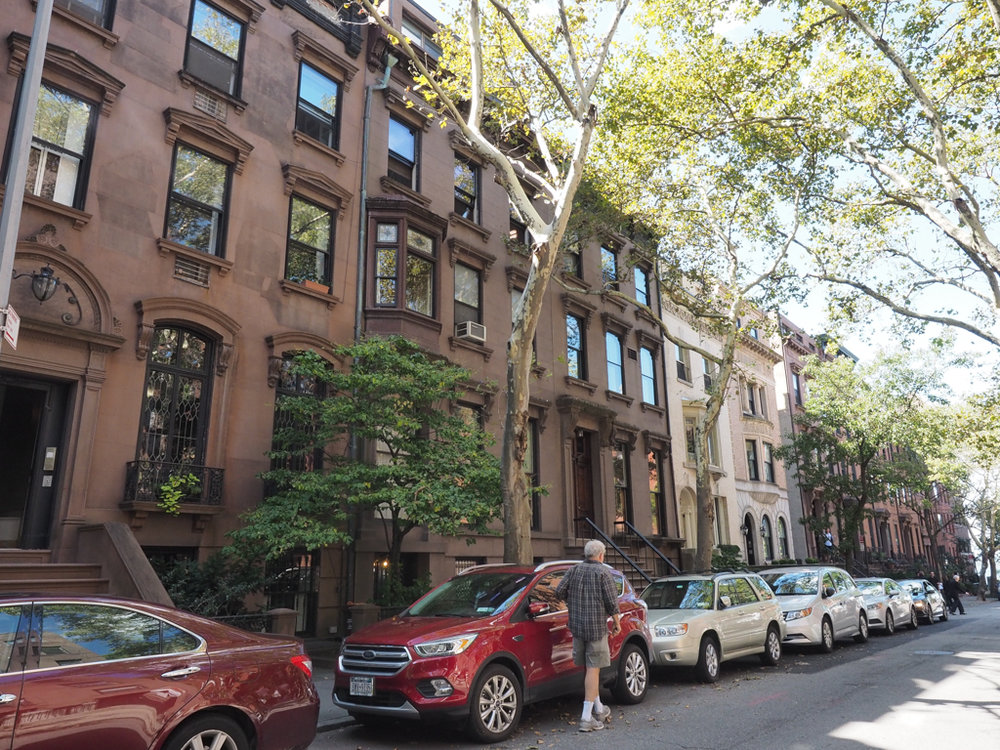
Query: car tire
[[826, 636], [708, 660], [914, 620], [930, 617], [772, 647], [212, 730], [862, 635], [944, 613], [495, 705], [890, 623], [633, 676]]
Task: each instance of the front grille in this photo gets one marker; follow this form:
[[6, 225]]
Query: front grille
[[382, 698], [374, 660]]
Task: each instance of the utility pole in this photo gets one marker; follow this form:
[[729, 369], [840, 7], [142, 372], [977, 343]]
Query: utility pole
[[17, 171]]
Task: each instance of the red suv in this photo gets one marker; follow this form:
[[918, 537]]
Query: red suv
[[480, 646]]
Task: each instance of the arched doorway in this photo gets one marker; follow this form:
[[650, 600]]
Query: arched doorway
[[748, 539]]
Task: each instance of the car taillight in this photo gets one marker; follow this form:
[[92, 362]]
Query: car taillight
[[304, 663]]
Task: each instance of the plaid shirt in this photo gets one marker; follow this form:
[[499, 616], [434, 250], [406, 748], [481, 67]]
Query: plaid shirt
[[590, 592]]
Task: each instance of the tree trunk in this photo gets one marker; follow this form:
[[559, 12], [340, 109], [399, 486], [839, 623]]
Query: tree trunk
[[703, 497]]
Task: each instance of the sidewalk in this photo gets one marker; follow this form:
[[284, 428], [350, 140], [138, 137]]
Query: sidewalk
[[330, 715]]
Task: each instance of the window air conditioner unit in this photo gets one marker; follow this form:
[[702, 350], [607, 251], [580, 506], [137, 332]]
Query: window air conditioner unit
[[471, 331]]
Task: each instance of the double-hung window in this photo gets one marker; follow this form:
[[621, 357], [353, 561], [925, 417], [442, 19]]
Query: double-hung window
[[61, 147], [215, 47], [753, 465], [468, 289], [403, 153], [623, 489], [609, 268], [466, 189], [405, 274], [572, 258], [768, 462], [683, 359], [647, 369], [317, 113], [420, 38], [641, 278], [797, 388], [310, 242], [420, 266], [616, 366], [199, 193], [97, 12], [576, 352]]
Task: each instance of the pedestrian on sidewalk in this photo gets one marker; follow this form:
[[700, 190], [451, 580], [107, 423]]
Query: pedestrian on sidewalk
[[953, 591], [591, 597]]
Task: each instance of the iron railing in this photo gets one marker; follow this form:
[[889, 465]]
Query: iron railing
[[144, 480]]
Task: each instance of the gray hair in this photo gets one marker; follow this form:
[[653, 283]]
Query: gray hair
[[593, 549]]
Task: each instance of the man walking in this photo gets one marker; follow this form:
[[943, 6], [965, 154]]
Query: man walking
[[952, 594], [589, 591]]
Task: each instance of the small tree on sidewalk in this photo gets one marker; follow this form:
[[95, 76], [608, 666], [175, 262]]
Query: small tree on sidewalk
[[428, 464]]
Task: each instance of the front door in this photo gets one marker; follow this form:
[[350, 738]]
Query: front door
[[583, 482], [32, 415], [748, 539]]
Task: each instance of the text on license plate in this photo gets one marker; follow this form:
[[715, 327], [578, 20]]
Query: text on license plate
[[363, 686]]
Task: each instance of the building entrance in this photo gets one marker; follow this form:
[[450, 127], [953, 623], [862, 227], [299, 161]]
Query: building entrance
[[32, 414]]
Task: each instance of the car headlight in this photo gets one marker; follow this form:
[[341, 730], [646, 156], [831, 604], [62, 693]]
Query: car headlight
[[446, 646], [670, 631], [876, 606], [798, 614]]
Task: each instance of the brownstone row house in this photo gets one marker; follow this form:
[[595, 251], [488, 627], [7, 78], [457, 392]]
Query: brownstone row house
[[214, 185]]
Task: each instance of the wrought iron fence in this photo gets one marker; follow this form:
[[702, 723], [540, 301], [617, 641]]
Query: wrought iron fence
[[144, 480]]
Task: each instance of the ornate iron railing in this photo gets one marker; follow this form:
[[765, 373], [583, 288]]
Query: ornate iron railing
[[144, 480]]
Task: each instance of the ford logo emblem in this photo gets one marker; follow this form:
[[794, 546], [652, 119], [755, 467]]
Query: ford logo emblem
[[368, 655]]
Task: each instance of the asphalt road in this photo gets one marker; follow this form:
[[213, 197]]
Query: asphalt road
[[936, 687]]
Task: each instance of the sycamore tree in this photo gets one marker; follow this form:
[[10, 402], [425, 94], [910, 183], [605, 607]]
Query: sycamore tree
[[690, 156], [428, 464], [517, 79], [860, 435], [902, 99]]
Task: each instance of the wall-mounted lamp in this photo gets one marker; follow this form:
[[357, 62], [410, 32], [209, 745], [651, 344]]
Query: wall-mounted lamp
[[744, 529], [764, 531], [45, 283]]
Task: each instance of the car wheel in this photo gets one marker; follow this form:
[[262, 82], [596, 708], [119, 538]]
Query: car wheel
[[826, 636], [914, 620], [772, 648], [708, 660], [214, 731], [496, 705], [930, 614], [944, 613], [862, 636], [633, 676], [890, 623]]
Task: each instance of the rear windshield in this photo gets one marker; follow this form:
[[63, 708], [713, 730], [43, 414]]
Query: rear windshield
[[870, 587], [793, 584], [472, 595], [694, 594]]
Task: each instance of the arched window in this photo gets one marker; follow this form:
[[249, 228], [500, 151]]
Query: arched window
[[783, 551], [768, 537], [176, 398]]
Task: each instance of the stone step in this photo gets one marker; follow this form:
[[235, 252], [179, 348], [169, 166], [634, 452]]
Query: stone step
[[10, 555], [31, 572], [67, 586]]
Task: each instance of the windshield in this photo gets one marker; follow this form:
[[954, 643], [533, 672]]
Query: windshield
[[914, 587], [472, 595], [870, 587], [694, 594], [793, 584]]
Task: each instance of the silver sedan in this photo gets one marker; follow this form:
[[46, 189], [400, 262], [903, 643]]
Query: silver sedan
[[888, 604]]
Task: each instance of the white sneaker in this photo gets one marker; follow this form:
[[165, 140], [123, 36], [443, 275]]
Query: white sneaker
[[591, 725], [603, 714]]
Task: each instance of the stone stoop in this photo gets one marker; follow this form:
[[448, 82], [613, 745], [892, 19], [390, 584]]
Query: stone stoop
[[32, 572]]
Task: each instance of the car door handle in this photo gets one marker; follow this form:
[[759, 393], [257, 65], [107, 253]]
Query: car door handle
[[7, 698], [182, 672]]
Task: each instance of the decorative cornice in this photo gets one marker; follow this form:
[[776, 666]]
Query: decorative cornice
[[201, 128], [318, 54], [299, 178]]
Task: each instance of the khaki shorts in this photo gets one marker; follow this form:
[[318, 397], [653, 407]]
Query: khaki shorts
[[591, 653]]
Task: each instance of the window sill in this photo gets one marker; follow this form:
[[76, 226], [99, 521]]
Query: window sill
[[574, 281], [653, 408], [455, 219], [188, 80], [392, 187], [616, 301], [472, 346], [167, 247], [108, 39], [139, 511], [79, 218], [621, 397], [295, 287], [589, 387], [304, 140]]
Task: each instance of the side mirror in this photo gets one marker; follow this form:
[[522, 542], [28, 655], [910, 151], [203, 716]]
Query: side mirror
[[535, 609], [828, 592], [725, 601]]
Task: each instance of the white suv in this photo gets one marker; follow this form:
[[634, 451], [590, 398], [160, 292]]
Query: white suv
[[821, 604]]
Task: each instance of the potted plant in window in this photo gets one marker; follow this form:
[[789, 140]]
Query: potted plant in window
[[176, 489]]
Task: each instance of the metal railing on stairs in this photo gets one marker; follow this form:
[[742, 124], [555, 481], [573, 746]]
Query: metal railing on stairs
[[631, 563]]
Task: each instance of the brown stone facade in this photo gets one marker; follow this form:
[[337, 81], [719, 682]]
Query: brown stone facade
[[173, 180]]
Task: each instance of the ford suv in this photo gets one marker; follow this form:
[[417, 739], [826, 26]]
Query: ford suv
[[479, 647]]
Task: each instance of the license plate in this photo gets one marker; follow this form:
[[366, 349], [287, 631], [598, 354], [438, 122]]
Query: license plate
[[363, 687]]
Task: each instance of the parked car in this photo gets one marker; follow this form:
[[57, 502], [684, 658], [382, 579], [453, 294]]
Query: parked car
[[927, 600], [479, 647], [887, 603], [821, 604], [704, 620], [101, 672]]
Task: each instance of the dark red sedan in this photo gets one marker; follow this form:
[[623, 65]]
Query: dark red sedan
[[99, 672]]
